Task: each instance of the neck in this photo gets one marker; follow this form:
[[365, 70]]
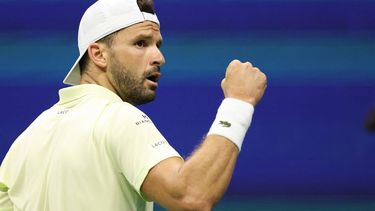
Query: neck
[[98, 78]]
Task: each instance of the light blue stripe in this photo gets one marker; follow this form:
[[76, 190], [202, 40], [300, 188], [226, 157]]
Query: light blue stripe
[[283, 57]]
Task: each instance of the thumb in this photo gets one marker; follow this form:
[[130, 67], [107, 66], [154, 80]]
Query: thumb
[[223, 83], [223, 87]]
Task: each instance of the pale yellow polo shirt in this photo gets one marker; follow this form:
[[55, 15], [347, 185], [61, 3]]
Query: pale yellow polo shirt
[[89, 152]]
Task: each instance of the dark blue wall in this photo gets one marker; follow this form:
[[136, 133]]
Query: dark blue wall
[[307, 135]]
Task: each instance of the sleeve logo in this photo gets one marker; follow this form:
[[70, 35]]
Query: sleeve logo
[[159, 143], [145, 119]]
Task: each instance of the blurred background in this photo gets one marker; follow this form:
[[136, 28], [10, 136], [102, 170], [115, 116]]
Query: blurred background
[[307, 148]]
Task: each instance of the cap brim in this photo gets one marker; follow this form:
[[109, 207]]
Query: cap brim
[[74, 75]]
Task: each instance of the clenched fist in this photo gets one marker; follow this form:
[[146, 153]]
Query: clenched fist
[[244, 82]]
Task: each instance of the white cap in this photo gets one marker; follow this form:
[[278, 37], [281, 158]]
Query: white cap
[[101, 19]]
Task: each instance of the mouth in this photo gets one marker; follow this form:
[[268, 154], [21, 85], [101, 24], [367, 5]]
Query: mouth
[[154, 77]]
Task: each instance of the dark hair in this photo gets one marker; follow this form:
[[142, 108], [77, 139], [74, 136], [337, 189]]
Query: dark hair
[[144, 6]]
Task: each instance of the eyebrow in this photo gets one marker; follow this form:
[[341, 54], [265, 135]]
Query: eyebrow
[[144, 36]]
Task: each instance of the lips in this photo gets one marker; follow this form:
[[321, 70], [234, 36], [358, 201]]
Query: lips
[[154, 76]]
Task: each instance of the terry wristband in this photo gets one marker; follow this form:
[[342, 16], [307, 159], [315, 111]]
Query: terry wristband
[[232, 120]]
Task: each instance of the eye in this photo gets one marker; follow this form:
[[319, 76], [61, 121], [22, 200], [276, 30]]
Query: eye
[[159, 44], [140, 44]]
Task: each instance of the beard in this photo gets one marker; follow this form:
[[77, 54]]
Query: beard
[[131, 87]]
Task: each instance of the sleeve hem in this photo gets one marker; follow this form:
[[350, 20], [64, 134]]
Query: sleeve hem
[[142, 176]]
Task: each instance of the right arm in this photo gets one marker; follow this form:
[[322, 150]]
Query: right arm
[[200, 181]]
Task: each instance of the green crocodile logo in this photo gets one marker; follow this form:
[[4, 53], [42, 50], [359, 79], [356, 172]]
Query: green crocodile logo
[[225, 123], [3, 188]]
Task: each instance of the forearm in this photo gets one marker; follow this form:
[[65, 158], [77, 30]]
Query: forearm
[[209, 170], [207, 173], [196, 184], [199, 182]]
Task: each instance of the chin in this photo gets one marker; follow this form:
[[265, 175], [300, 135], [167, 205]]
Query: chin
[[145, 99]]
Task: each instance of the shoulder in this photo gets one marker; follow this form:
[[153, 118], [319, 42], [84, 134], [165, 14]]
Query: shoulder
[[125, 113], [120, 119]]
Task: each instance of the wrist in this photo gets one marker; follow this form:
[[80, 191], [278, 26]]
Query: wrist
[[232, 120], [250, 100]]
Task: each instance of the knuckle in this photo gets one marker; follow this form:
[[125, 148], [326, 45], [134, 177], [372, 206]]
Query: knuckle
[[248, 64], [264, 75], [235, 62], [265, 79], [223, 82], [258, 71]]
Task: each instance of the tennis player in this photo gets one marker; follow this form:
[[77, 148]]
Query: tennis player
[[94, 150]]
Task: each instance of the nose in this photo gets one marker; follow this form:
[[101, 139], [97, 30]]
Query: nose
[[157, 57]]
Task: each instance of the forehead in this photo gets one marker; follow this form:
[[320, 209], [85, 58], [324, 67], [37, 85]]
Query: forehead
[[146, 27]]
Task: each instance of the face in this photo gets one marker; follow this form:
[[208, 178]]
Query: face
[[134, 62]]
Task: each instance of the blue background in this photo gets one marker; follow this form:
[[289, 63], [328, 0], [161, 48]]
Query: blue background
[[307, 136]]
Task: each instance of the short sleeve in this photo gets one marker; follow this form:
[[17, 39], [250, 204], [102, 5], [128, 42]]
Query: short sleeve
[[134, 142]]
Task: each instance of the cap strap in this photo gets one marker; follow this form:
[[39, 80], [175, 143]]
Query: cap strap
[[150, 17]]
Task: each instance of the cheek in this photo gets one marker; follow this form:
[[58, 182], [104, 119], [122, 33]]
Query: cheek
[[133, 56], [134, 60]]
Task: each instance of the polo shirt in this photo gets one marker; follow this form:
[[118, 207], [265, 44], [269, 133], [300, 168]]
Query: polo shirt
[[90, 151]]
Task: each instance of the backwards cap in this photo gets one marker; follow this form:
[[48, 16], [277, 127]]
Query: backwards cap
[[101, 19]]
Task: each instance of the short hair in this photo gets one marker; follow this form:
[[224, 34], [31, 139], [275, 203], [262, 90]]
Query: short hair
[[144, 6]]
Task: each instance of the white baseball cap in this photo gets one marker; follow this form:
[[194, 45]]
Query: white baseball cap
[[101, 19]]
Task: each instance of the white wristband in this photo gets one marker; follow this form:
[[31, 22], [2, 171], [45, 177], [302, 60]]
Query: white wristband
[[232, 120]]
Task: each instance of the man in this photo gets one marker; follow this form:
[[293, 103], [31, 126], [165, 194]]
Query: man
[[93, 150]]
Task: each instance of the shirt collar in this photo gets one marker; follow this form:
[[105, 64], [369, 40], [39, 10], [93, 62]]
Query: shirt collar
[[73, 93]]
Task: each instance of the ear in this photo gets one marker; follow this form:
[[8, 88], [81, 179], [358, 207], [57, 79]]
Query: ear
[[98, 55]]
